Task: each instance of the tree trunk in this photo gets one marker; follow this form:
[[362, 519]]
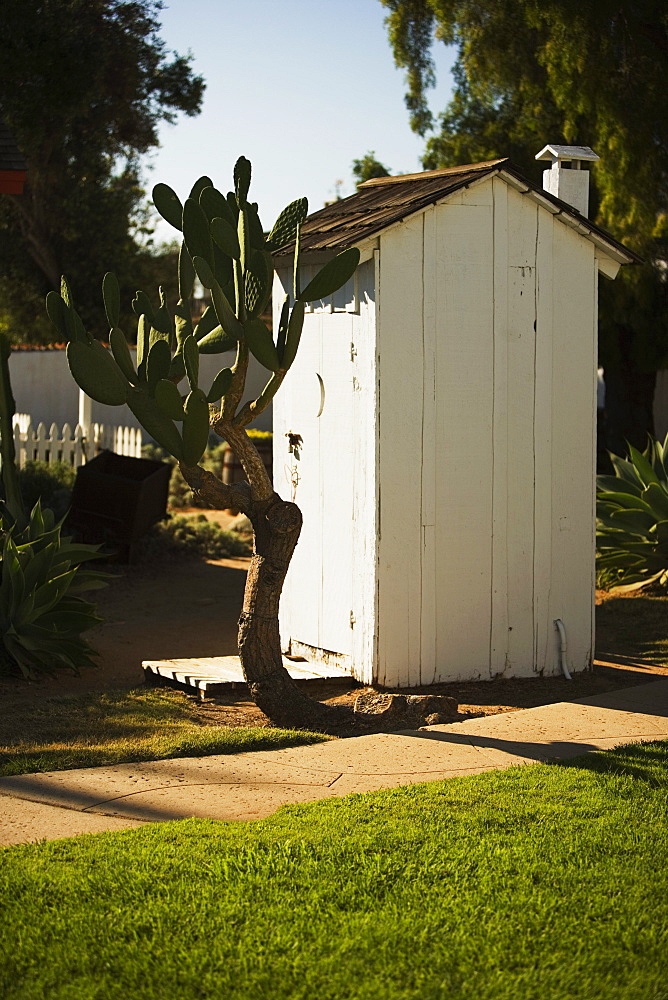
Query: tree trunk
[[276, 526]]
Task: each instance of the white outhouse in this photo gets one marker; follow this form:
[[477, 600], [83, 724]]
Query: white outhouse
[[438, 430]]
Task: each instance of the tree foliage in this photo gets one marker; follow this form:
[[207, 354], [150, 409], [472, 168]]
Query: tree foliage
[[589, 73], [368, 167], [84, 85]]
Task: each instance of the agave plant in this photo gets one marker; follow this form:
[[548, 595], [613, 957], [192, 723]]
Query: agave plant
[[632, 518], [41, 616]]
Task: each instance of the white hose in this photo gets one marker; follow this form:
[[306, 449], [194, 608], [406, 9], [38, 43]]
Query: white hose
[[563, 647]]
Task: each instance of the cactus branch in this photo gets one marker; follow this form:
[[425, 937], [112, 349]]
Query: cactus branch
[[217, 495], [252, 410], [243, 447]]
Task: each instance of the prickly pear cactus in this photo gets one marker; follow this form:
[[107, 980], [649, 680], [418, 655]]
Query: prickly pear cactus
[[223, 244]]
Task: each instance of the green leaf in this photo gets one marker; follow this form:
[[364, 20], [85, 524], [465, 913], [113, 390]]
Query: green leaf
[[226, 317], [168, 398], [156, 424], [223, 266], [233, 207], [285, 227], [609, 501], [199, 186], [642, 466], [293, 335], [168, 205], [142, 306], [60, 316], [195, 427], [261, 344], [111, 295], [216, 342], [226, 238], [191, 360], [332, 276], [182, 321], [612, 484], [66, 292], [283, 328], [221, 385], [95, 371], [196, 234], [143, 343], [186, 273], [158, 363], [243, 237], [656, 496], [258, 282], [296, 275], [215, 205], [208, 321], [638, 522], [626, 470], [255, 231], [204, 272], [242, 179], [122, 356]]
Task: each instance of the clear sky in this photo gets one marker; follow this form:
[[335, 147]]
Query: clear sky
[[300, 87]]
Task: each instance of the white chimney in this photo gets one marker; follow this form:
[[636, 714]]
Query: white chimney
[[565, 179]]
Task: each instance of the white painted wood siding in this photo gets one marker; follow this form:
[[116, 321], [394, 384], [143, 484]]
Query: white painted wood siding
[[447, 486], [328, 603], [401, 360], [486, 364]]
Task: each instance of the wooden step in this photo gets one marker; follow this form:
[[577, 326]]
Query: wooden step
[[214, 675]]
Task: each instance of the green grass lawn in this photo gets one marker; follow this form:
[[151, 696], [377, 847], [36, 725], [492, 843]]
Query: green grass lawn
[[537, 883], [146, 724]]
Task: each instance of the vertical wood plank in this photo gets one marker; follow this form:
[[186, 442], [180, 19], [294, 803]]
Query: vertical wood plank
[[431, 307], [464, 435], [573, 417], [543, 432], [499, 464], [365, 477], [401, 371], [522, 322]]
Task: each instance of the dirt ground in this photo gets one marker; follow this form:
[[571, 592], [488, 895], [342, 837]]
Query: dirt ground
[[187, 607]]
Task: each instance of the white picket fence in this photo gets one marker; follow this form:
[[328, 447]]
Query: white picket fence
[[74, 447]]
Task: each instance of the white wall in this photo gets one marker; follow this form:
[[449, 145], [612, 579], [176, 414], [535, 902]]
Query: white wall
[[43, 387], [448, 485], [328, 601], [487, 368]]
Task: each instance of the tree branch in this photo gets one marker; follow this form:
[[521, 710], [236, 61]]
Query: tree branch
[[260, 484], [217, 495]]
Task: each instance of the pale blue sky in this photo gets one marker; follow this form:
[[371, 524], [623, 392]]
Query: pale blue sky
[[300, 87]]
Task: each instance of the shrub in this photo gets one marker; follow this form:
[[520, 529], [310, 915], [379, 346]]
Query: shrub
[[195, 535], [41, 618], [632, 526], [50, 484]]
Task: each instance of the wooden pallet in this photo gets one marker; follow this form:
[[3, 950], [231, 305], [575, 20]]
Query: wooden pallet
[[214, 675]]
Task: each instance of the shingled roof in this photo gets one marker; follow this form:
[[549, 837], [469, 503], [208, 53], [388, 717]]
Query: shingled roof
[[385, 201], [11, 157]]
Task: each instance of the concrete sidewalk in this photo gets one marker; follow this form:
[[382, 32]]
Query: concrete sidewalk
[[253, 785]]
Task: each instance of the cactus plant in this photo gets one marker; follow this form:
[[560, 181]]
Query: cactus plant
[[224, 244]]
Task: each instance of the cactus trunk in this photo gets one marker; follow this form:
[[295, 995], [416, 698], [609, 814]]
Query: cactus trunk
[[277, 525]]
